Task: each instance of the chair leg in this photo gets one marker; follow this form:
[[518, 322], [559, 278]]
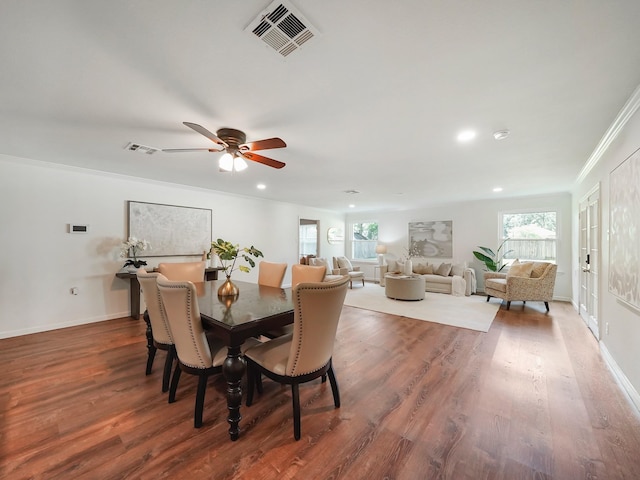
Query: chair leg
[[151, 355], [251, 380], [508, 304], [363, 281], [168, 363], [546, 304], [295, 397], [488, 297], [202, 388], [334, 387], [324, 378], [259, 381], [151, 348], [174, 383]]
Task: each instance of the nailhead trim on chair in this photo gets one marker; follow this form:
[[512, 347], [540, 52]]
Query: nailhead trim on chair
[[297, 355], [193, 340]]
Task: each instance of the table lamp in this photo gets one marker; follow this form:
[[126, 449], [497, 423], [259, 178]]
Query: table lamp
[[381, 250]]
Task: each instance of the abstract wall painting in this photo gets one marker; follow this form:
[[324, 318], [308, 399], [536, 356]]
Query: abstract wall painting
[[431, 239], [624, 230], [170, 229]]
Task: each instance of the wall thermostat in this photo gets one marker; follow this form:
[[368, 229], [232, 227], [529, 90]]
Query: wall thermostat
[[77, 228]]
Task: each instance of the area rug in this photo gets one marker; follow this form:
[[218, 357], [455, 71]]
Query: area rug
[[471, 312]]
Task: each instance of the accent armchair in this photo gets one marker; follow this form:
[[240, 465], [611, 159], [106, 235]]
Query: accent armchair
[[525, 281], [342, 266]]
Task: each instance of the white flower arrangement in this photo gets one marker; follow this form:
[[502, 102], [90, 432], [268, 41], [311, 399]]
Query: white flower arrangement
[[131, 248]]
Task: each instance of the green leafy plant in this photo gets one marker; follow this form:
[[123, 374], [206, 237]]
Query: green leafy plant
[[228, 254], [492, 260]]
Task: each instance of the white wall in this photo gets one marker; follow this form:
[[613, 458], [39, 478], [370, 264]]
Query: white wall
[[622, 344], [476, 223], [41, 262]]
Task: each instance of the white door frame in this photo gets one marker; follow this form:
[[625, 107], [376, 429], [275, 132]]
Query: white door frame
[[590, 258]]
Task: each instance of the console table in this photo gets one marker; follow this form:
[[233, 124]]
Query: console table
[[210, 273]]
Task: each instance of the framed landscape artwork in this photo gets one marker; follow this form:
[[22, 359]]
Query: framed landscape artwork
[[431, 239], [170, 229], [624, 225]]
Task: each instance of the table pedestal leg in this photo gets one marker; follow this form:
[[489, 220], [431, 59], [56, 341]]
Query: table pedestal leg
[[233, 369]]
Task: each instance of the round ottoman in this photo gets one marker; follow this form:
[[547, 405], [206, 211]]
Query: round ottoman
[[404, 287]]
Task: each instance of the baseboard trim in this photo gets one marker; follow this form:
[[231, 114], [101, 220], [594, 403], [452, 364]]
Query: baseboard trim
[[621, 378], [56, 326]]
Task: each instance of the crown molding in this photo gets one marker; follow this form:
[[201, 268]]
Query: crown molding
[[610, 135]]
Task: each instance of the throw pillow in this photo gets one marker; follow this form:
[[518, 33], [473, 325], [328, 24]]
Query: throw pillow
[[444, 269], [538, 269], [520, 269], [419, 268], [428, 269], [457, 269], [321, 262], [392, 266], [343, 262]]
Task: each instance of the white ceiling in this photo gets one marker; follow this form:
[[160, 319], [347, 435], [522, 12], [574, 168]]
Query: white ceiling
[[373, 103]]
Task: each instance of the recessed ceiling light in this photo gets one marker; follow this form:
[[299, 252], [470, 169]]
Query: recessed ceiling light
[[466, 135], [501, 134], [352, 206], [261, 186], [497, 189]]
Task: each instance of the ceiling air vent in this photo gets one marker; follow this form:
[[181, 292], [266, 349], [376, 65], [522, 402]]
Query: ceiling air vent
[[136, 147], [282, 27]]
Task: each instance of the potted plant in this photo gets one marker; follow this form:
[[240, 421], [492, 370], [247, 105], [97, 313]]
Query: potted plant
[[131, 248], [228, 254], [494, 261]]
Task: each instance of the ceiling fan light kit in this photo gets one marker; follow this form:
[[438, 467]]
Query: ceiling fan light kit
[[234, 143]]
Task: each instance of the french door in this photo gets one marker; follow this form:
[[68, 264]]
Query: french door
[[589, 219]]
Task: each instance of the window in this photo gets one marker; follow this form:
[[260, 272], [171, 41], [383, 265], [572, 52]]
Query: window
[[364, 238], [308, 237], [532, 236]]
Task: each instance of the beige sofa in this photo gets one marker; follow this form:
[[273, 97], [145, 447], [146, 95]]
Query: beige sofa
[[445, 277]]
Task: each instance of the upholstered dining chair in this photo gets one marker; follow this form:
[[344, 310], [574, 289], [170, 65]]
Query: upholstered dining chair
[[306, 273], [271, 274], [299, 274], [183, 271], [198, 354], [157, 324], [305, 354]]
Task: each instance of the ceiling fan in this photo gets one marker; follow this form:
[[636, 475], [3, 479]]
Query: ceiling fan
[[234, 143]]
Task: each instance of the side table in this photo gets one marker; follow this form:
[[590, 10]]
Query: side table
[[404, 287]]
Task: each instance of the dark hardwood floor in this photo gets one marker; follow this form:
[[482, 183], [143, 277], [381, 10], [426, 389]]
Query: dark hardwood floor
[[531, 398]]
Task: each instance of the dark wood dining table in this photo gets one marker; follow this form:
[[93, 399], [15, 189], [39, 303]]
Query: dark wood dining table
[[256, 310]]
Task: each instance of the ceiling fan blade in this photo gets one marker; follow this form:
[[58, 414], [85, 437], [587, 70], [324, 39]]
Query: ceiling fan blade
[[179, 150], [262, 145], [203, 131], [264, 160]]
